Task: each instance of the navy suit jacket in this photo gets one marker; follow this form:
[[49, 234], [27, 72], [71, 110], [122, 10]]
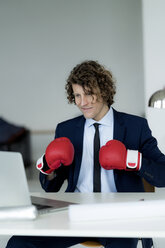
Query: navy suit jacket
[[131, 130]]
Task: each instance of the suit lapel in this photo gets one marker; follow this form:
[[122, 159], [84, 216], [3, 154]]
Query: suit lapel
[[119, 134], [119, 128], [79, 134]]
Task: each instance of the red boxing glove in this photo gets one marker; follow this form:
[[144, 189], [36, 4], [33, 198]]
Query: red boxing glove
[[115, 156], [59, 151]]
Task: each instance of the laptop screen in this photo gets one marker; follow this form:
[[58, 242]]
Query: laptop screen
[[13, 183]]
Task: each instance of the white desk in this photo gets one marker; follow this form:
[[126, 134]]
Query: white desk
[[58, 224]]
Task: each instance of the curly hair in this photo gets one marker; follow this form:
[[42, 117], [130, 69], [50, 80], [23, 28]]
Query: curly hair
[[91, 76]]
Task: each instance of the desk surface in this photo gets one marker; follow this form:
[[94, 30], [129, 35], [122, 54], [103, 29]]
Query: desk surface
[[58, 224]]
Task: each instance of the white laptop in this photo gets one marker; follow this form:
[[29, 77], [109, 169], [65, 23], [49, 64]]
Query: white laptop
[[15, 200]]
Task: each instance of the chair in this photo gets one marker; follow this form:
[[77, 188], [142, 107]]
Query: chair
[[92, 244], [15, 138]]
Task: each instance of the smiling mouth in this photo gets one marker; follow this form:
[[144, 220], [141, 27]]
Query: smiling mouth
[[86, 109]]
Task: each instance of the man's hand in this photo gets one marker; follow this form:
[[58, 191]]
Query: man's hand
[[59, 151], [115, 156]]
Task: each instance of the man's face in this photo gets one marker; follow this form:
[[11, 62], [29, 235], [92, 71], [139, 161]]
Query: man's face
[[89, 105]]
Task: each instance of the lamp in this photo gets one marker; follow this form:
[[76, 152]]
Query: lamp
[[157, 100]]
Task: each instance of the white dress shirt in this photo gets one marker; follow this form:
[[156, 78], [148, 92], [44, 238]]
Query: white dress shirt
[[85, 180]]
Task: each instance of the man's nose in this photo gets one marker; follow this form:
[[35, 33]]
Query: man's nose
[[84, 101]]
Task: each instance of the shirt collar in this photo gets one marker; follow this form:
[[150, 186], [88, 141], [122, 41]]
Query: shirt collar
[[107, 120]]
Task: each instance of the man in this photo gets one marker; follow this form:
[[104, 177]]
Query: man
[[128, 151]]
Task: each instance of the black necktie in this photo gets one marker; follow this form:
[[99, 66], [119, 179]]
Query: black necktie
[[97, 168]]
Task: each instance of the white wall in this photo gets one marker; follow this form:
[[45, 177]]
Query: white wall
[[42, 40]]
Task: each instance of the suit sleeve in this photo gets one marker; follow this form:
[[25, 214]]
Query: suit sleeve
[[61, 174], [153, 160]]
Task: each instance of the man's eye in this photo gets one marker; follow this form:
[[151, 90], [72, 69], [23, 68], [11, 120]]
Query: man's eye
[[76, 95]]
